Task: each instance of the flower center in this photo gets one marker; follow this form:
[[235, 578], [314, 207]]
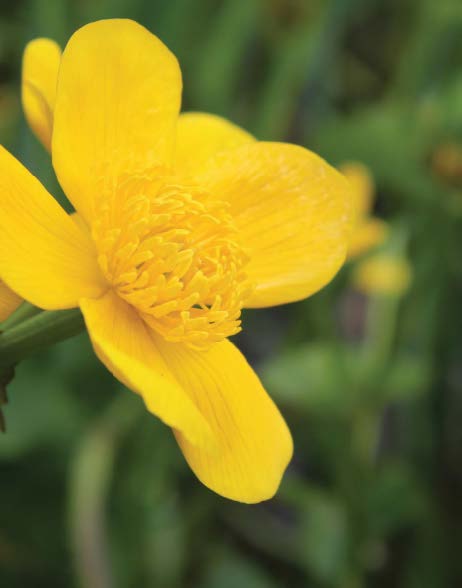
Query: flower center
[[171, 251]]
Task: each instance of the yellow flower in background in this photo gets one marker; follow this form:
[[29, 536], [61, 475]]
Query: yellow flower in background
[[183, 220], [383, 274], [40, 66], [367, 231]]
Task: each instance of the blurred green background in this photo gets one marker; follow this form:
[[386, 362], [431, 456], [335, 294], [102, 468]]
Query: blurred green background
[[94, 492]]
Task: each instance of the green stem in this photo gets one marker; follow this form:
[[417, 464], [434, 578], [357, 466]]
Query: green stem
[[25, 311], [381, 330], [89, 487], [37, 332], [377, 351]]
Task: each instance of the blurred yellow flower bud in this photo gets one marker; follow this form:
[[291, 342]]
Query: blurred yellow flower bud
[[383, 274], [447, 162]]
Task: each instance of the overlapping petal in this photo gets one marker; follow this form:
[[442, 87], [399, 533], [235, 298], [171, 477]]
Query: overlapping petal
[[293, 213], [254, 442], [117, 103], [200, 136], [39, 76], [9, 301], [125, 345], [44, 256]]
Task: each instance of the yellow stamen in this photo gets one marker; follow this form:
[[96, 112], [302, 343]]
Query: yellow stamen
[[171, 251]]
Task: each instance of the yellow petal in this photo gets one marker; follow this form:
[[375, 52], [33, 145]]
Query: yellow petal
[[80, 221], [39, 75], [44, 256], [255, 445], [117, 103], [9, 301], [367, 235], [123, 342], [200, 136], [293, 212], [362, 187]]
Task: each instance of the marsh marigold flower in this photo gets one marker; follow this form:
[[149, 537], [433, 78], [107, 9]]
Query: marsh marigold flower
[[367, 231], [183, 221]]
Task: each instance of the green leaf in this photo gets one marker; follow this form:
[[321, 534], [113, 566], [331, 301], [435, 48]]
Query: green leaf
[[394, 499], [311, 377], [41, 411], [229, 569], [324, 536], [407, 378]]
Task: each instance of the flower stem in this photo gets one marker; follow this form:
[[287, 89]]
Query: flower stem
[[89, 487], [37, 332], [25, 311]]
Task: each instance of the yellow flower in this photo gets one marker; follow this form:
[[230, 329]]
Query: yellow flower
[[384, 274], [367, 232], [183, 220]]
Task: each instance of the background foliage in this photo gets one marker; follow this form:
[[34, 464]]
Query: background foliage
[[94, 492]]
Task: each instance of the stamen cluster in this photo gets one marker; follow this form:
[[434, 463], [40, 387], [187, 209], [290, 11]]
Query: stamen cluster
[[171, 251]]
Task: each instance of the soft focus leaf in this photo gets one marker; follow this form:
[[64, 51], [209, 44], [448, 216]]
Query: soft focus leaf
[[229, 570], [324, 537], [309, 377]]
